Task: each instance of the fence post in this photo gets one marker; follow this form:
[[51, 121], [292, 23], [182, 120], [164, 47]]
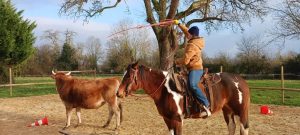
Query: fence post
[[95, 73], [10, 81], [282, 83], [221, 69]]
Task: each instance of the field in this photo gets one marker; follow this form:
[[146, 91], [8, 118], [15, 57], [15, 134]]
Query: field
[[140, 118]]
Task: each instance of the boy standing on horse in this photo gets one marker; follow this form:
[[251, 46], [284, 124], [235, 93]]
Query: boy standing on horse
[[192, 59]]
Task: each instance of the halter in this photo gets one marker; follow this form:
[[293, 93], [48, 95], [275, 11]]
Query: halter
[[134, 79]]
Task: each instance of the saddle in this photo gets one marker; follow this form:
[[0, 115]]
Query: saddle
[[192, 108]]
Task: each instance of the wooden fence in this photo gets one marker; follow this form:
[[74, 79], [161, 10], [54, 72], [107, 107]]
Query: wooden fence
[[10, 85], [282, 88]]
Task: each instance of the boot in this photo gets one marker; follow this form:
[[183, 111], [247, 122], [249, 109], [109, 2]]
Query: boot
[[206, 113]]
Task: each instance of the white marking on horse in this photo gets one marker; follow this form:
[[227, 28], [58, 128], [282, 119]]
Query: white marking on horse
[[176, 96], [239, 92], [124, 74], [171, 132], [218, 74], [243, 130], [150, 69]]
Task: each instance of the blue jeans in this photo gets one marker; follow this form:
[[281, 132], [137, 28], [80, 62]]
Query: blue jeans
[[194, 78]]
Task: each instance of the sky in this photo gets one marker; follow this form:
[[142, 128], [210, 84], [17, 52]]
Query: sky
[[45, 14]]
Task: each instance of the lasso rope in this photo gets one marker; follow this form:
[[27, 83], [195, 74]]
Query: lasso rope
[[161, 24]]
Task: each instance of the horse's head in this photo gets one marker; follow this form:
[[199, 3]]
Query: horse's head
[[130, 80]]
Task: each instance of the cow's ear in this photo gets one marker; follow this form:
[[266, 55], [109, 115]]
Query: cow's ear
[[135, 65]]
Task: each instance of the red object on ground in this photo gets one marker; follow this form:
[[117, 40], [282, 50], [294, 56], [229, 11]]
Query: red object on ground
[[265, 110], [43, 121]]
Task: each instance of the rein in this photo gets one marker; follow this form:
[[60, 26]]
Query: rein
[[152, 94]]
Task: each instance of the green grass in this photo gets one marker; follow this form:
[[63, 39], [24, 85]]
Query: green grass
[[19, 80], [25, 91], [257, 96], [274, 83], [275, 96]]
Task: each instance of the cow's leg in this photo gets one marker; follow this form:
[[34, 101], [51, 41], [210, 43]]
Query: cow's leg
[[117, 112], [110, 115], [174, 126], [78, 109], [68, 113], [229, 118], [114, 109]]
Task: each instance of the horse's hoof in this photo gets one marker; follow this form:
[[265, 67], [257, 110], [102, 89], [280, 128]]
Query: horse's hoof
[[64, 128], [77, 125], [104, 126]]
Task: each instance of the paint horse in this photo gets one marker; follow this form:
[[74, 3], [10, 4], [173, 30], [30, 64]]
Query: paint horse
[[231, 95]]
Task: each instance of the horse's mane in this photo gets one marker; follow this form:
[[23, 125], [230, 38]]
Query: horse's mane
[[143, 68]]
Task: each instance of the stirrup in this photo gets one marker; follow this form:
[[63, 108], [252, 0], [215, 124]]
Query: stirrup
[[187, 113]]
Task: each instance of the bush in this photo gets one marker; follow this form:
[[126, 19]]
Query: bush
[[4, 75]]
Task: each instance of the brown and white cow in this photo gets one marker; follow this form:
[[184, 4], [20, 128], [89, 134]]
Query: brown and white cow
[[88, 94]]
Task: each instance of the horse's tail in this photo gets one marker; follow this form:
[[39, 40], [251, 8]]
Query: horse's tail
[[121, 111]]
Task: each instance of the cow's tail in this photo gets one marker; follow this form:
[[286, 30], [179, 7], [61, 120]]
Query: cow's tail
[[121, 111]]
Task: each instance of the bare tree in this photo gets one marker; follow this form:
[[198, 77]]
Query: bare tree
[[53, 36], [288, 17], [252, 56], [214, 13], [69, 35], [128, 47], [94, 52]]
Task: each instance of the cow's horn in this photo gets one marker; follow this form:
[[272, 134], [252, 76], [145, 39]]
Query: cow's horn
[[68, 73], [53, 72]]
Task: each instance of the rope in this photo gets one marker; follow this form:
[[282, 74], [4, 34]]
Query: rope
[[161, 83], [161, 24]]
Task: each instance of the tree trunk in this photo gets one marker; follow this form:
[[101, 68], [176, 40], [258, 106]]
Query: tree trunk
[[167, 43]]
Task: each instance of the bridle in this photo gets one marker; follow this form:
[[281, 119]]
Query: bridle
[[131, 81], [135, 80]]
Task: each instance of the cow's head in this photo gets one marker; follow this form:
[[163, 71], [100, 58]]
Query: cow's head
[[130, 80], [60, 75]]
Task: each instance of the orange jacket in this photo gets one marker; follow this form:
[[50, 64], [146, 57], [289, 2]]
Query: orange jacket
[[192, 58]]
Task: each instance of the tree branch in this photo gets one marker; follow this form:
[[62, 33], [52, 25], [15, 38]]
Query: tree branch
[[156, 6], [203, 20], [163, 7], [173, 7], [192, 8], [150, 17], [75, 7], [90, 14]]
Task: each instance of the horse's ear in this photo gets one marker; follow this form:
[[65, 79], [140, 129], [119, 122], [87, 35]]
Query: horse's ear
[[135, 65]]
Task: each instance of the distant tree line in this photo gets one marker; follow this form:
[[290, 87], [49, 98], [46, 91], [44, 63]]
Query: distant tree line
[[253, 56], [120, 50]]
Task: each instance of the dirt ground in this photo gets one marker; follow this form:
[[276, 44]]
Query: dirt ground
[[140, 118]]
